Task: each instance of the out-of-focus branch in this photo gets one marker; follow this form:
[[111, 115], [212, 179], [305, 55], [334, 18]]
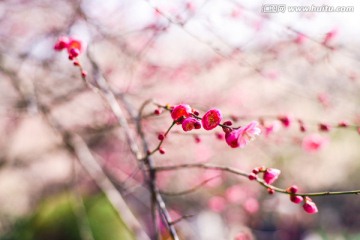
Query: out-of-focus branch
[[152, 174], [101, 87], [188, 191], [244, 174], [77, 147]]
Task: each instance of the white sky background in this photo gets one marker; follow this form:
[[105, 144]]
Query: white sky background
[[212, 21], [138, 12]]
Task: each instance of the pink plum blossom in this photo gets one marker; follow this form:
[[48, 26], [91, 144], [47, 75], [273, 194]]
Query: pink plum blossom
[[271, 174], [211, 119], [242, 136], [309, 206], [314, 142], [182, 110]]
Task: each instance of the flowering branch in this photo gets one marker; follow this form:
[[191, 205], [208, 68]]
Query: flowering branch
[[189, 119], [265, 181], [162, 137]]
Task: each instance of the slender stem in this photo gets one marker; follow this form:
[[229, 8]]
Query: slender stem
[[180, 219], [161, 141], [188, 191]]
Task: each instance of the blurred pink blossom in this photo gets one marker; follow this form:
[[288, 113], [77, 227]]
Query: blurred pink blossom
[[72, 45], [329, 36], [235, 194], [285, 120], [217, 204], [271, 128], [251, 205], [300, 39], [243, 236], [314, 142]]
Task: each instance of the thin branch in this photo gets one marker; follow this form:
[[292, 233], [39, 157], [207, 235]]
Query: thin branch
[[180, 219], [259, 180], [190, 190], [102, 88], [162, 141], [152, 174], [204, 166]]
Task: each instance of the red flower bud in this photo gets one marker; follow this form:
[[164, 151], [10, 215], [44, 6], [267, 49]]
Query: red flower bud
[[309, 206]]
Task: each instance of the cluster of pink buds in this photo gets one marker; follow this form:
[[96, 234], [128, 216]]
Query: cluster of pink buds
[[269, 174], [294, 198], [309, 206], [235, 137], [72, 45]]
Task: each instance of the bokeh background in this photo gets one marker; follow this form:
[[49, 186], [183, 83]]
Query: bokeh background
[[226, 54]]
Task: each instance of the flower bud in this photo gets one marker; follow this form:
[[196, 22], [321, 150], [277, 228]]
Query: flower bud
[[309, 206], [296, 199], [271, 174]]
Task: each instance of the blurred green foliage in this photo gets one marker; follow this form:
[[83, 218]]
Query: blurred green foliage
[[58, 218]]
